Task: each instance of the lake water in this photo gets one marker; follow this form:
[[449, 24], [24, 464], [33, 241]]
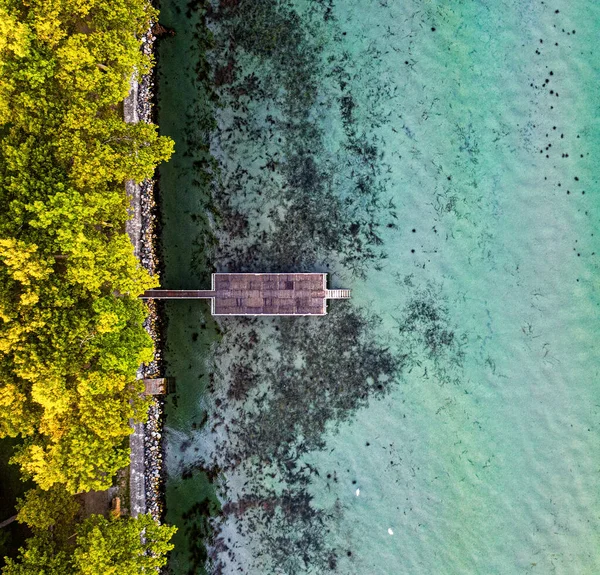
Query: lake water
[[439, 158]]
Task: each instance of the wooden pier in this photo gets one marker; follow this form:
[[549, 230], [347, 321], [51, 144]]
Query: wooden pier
[[158, 385], [261, 294]]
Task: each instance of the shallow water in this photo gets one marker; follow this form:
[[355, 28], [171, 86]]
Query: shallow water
[[438, 159]]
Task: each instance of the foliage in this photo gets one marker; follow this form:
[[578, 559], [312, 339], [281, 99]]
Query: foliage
[[43, 510], [96, 546], [39, 556], [122, 547], [71, 335]]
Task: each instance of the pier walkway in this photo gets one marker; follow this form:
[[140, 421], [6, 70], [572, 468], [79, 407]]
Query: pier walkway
[[261, 294]]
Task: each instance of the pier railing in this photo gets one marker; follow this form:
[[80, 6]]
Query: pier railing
[[337, 294]]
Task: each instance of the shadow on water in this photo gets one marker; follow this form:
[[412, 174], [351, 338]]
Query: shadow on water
[[185, 113]]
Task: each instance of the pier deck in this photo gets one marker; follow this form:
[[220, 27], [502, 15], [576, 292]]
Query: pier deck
[[261, 294]]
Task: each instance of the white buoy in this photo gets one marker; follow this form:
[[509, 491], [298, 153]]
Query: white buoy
[[390, 531], [357, 492]]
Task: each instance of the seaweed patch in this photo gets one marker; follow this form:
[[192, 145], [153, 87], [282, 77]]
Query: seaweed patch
[[277, 417], [426, 334], [286, 197], [277, 170]]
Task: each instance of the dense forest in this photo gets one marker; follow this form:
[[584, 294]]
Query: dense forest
[[71, 334]]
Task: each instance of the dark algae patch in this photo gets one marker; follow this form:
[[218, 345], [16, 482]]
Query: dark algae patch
[[273, 198], [278, 198], [279, 195], [293, 393], [292, 388], [426, 333]]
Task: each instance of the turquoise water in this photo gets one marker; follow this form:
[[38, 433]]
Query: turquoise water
[[439, 159]]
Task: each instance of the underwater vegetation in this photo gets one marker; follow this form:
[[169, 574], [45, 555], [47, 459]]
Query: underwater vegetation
[[384, 143], [279, 192]]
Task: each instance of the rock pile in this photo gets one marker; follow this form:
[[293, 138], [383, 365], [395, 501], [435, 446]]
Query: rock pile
[[154, 460], [153, 430]]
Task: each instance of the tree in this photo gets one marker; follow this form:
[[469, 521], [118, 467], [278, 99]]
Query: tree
[[40, 556], [98, 546], [54, 510], [122, 547]]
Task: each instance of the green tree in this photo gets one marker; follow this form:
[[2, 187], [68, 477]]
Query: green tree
[[40, 556], [98, 546], [54, 510], [122, 547], [71, 334]]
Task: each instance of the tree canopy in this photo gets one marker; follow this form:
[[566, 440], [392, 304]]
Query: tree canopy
[[94, 546], [71, 335]]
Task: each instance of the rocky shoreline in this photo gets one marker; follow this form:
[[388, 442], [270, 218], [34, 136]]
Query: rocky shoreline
[[146, 467]]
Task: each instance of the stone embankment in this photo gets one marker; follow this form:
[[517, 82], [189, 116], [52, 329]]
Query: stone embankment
[[146, 468]]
